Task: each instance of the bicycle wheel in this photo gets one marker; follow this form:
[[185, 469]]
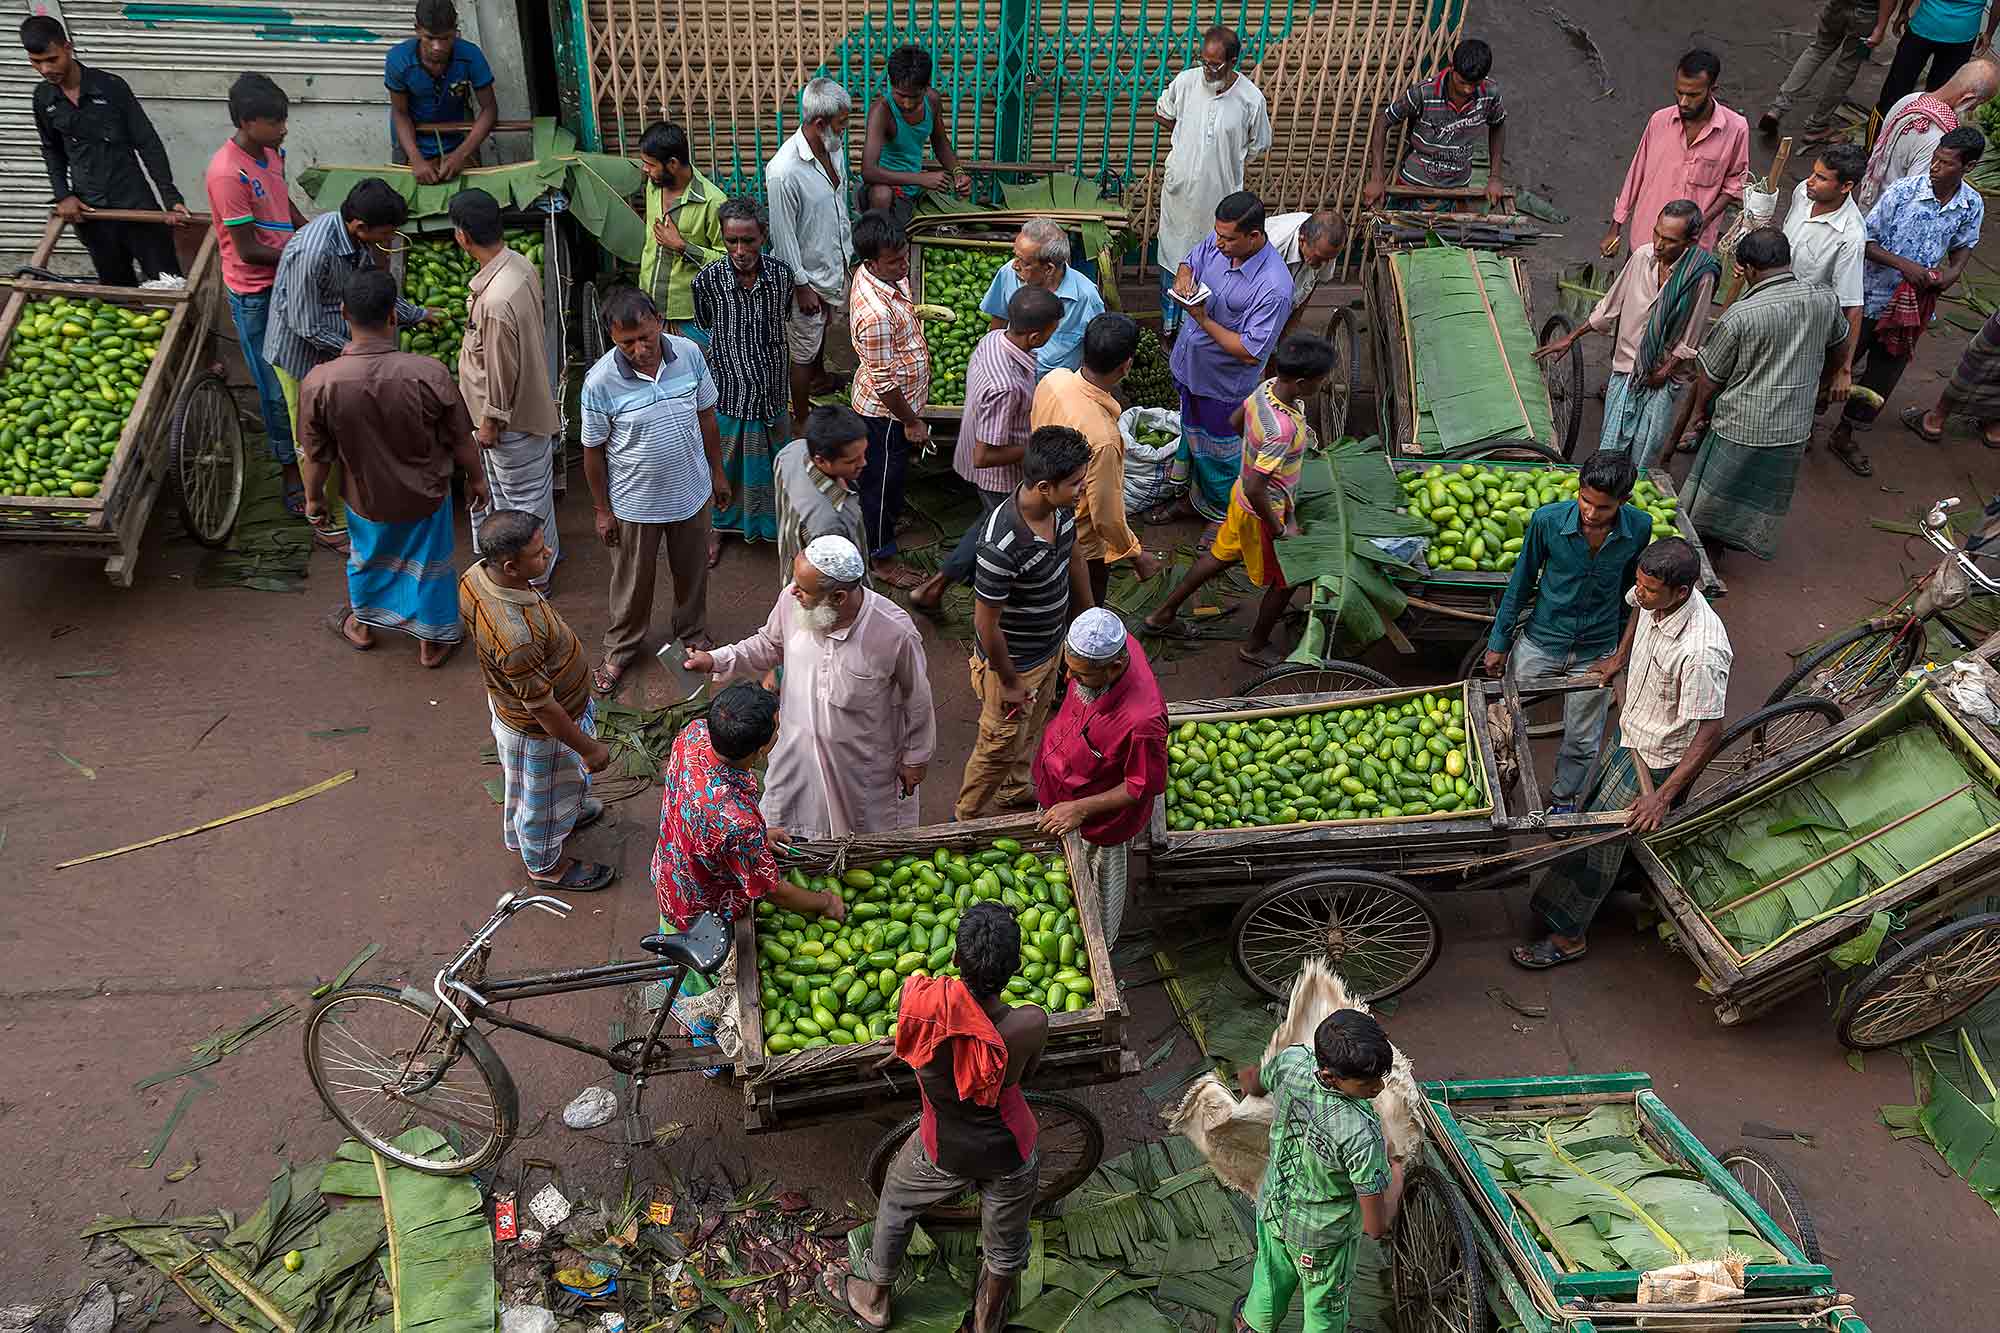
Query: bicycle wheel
[[205, 456], [1379, 933], [1069, 1145], [384, 1066], [1770, 730], [1434, 1263], [1328, 677], [1923, 985], [1771, 1188], [1564, 378], [1855, 669]]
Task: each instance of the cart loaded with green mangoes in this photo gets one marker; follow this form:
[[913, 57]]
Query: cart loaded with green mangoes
[[817, 999], [106, 395]]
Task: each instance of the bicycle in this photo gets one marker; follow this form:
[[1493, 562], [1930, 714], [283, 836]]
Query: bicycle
[[1861, 666]]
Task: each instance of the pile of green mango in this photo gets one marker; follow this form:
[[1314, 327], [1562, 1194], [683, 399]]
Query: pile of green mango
[[72, 373], [827, 983], [438, 275], [956, 277], [1477, 515], [1150, 382], [1364, 761]]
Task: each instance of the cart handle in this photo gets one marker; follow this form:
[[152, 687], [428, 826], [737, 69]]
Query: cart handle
[[142, 215]]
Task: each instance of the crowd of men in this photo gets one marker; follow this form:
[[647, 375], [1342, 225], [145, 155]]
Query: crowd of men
[[700, 422]]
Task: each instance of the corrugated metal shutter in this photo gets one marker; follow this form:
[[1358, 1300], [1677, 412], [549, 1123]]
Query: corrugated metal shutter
[[181, 58]]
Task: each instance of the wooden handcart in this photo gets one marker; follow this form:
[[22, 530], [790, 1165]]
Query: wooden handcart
[[182, 432], [1469, 1250]]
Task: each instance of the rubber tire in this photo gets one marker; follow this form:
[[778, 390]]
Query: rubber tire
[[891, 1143], [1421, 1180], [1886, 968], [1366, 678], [177, 443], [1769, 713], [1808, 1237], [1558, 326], [1330, 430], [1336, 874], [1906, 654], [1532, 449], [506, 1098]]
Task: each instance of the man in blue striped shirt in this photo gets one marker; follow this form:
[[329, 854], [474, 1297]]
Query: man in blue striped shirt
[[652, 453]]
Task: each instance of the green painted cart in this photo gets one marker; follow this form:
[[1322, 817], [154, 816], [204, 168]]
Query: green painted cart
[[1470, 1252]]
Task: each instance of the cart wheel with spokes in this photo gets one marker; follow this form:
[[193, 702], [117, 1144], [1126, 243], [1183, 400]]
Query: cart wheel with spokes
[[1434, 1262], [1771, 1188], [1564, 377], [1770, 730], [205, 455], [1069, 1144], [1923, 985], [1854, 669], [1329, 676], [1380, 933], [1336, 392], [384, 1064]]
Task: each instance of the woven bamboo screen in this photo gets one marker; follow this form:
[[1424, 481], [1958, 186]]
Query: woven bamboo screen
[[1070, 81]]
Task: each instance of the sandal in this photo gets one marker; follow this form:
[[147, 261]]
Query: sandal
[[605, 679], [900, 576], [1913, 421], [333, 539], [1988, 441], [587, 814], [434, 663], [295, 499], [581, 877], [1268, 657], [838, 1301], [1544, 954], [1851, 457], [1173, 629], [336, 621]]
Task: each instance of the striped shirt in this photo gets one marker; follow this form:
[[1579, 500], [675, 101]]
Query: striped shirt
[[650, 431], [528, 655], [1677, 678], [999, 392], [1766, 352], [746, 330], [811, 504], [889, 340], [1445, 136], [1028, 579], [307, 328]]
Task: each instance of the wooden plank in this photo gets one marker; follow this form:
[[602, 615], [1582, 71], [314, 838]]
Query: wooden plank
[[85, 290], [750, 1015], [1712, 955], [1712, 586], [1660, 1119], [1524, 756], [1479, 738]]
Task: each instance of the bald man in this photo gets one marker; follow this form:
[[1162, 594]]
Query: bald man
[[1310, 244]]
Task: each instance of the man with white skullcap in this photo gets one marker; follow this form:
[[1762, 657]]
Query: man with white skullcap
[[856, 726], [1104, 756]]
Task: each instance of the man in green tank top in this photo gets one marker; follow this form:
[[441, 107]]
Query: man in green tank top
[[900, 127]]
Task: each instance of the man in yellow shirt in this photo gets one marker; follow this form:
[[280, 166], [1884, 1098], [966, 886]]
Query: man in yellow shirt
[[1085, 400]]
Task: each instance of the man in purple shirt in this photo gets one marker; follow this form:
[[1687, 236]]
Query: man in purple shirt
[[1218, 358]]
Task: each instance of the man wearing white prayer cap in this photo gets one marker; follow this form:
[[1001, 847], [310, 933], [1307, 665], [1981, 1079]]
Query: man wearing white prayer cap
[[855, 725], [1103, 758]]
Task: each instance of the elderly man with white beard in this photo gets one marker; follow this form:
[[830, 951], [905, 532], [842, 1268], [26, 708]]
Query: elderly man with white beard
[[855, 722]]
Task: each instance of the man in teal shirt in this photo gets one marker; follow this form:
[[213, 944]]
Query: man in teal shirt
[[899, 128], [1940, 33], [1329, 1179], [1041, 259], [1577, 559]]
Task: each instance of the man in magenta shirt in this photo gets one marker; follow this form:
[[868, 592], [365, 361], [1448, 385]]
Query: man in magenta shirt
[[254, 217], [1104, 755], [1695, 149]]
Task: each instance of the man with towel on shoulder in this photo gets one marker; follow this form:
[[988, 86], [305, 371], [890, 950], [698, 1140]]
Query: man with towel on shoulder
[[971, 1051]]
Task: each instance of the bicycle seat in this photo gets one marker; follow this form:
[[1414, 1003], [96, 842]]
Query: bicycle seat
[[701, 947]]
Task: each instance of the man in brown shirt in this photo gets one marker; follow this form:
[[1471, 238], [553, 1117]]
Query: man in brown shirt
[[503, 372], [538, 691], [395, 424]]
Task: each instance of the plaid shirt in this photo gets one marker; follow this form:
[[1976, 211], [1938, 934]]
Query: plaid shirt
[[999, 393], [307, 328], [1677, 679], [712, 856], [889, 340], [1326, 1151], [1766, 354]]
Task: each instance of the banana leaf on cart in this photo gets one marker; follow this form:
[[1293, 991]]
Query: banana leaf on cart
[[1347, 498]]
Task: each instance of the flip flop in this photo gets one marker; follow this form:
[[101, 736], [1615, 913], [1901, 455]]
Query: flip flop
[[1913, 421], [1173, 629], [581, 877], [437, 662], [295, 499], [589, 813], [838, 1301], [1542, 955], [1852, 458], [1989, 441], [336, 621], [605, 679], [1270, 657]]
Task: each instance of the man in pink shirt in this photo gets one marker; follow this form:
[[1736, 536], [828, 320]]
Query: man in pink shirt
[[1695, 149], [254, 217]]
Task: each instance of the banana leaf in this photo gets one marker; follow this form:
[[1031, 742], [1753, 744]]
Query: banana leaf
[[1345, 499], [1472, 348]]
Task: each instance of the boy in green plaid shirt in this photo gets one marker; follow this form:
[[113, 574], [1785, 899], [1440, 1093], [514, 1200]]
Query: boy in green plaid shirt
[[1329, 1179]]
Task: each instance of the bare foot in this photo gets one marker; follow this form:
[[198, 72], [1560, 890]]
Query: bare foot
[[714, 549], [896, 574], [929, 595], [357, 633]]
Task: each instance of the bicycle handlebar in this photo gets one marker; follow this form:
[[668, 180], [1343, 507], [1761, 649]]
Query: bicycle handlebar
[[503, 910], [1935, 529]]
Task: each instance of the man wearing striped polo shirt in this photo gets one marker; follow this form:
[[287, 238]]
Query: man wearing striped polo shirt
[[652, 453], [1447, 114], [1028, 588]]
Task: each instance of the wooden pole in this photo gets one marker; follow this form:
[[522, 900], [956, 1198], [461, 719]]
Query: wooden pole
[[1778, 163]]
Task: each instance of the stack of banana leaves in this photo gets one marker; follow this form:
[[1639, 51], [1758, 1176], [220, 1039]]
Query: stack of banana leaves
[[1958, 1102], [1472, 351], [1346, 499]]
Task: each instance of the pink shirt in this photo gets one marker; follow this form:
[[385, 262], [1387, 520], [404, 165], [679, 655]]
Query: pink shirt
[[243, 189], [1666, 168]]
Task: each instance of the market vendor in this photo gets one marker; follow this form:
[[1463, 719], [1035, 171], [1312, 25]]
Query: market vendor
[[857, 699], [434, 78], [1041, 259], [1104, 755], [899, 128], [1675, 660]]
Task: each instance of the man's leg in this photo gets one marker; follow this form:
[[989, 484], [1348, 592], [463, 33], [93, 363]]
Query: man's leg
[[153, 249], [109, 254], [1206, 566], [1005, 1206], [1325, 1277], [687, 560], [336, 511], [521, 474], [1901, 80], [1946, 59], [804, 335], [1570, 894], [1170, 309], [988, 766], [251, 315], [1827, 38], [912, 1184], [1274, 1280], [1881, 372], [1018, 791], [1847, 63], [960, 565], [1584, 712], [634, 563]]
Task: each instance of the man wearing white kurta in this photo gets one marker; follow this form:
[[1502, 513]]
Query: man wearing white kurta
[[855, 724], [1219, 122]]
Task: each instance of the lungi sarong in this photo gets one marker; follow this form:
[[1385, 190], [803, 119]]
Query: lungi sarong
[[545, 786], [1974, 390], [1739, 496], [1211, 453], [747, 448], [400, 575], [1575, 888], [1636, 418], [1112, 869], [521, 474]]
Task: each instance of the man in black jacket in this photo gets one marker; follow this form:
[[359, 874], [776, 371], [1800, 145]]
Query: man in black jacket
[[95, 136]]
